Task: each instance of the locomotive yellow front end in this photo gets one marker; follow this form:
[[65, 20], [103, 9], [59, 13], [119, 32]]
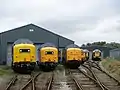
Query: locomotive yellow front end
[[73, 57], [96, 55], [24, 57], [48, 58], [83, 56], [86, 54]]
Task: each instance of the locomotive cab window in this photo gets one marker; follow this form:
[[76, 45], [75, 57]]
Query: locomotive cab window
[[49, 52], [24, 50]]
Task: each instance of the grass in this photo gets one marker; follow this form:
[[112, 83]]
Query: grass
[[112, 66], [5, 70], [117, 58]]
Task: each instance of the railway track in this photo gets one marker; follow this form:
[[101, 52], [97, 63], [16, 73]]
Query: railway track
[[12, 81], [89, 77], [106, 80], [50, 81], [20, 82], [31, 82], [77, 84], [83, 81], [96, 65]]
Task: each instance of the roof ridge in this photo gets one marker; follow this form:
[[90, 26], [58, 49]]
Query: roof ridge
[[36, 26]]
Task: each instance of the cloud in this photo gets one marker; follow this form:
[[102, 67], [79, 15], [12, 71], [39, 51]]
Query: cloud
[[110, 24], [94, 36], [107, 29], [10, 23], [70, 25], [81, 20]]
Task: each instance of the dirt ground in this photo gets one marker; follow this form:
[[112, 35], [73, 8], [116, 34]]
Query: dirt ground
[[60, 79]]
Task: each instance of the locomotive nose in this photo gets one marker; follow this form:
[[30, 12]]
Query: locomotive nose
[[24, 59], [49, 60]]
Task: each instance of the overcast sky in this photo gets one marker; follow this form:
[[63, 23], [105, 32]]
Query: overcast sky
[[80, 20]]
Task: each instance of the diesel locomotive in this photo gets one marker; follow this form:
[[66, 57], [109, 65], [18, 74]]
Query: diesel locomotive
[[48, 56], [23, 56], [86, 54], [96, 55], [74, 56]]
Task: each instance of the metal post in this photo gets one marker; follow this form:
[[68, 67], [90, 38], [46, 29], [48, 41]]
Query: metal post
[[58, 46], [61, 55], [58, 42], [1, 46]]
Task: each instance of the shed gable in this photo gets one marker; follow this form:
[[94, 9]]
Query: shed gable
[[31, 32]]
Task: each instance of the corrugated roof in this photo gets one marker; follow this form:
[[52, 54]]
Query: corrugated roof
[[35, 26], [117, 49]]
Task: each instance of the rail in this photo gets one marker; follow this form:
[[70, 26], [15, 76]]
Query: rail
[[32, 80], [93, 79], [12, 81], [99, 68], [50, 82], [79, 86], [103, 87]]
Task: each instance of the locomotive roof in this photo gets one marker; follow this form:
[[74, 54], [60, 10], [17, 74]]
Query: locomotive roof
[[47, 45], [74, 49], [24, 45], [48, 48], [96, 50], [72, 46], [23, 41], [85, 50]]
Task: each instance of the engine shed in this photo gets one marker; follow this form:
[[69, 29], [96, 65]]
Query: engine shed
[[36, 34]]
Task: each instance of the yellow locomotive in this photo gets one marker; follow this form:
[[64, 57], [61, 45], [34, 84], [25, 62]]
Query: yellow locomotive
[[74, 56], [48, 56], [86, 52], [24, 57], [96, 55], [83, 55]]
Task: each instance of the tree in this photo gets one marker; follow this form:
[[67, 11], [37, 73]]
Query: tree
[[104, 43], [88, 44], [83, 45]]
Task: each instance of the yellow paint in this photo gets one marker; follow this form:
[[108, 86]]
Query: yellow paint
[[44, 57], [74, 54], [86, 55], [83, 56], [96, 54], [24, 56]]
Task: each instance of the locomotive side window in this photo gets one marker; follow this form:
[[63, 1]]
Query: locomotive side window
[[49, 52], [24, 50]]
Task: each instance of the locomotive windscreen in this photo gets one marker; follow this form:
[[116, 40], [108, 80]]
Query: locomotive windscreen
[[24, 50], [49, 52]]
